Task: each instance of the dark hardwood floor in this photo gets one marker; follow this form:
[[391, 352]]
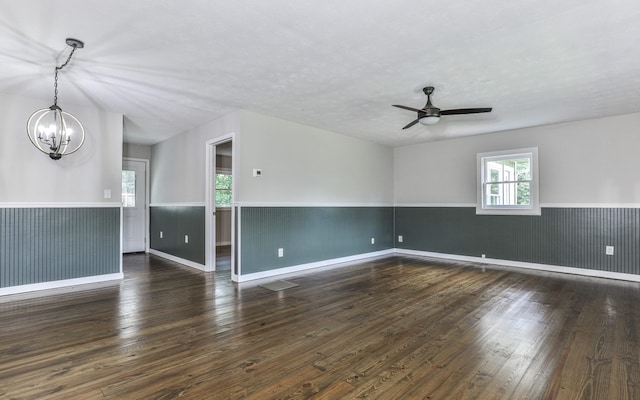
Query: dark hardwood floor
[[395, 328], [223, 258]]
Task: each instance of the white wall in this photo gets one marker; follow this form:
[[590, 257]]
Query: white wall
[[178, 163], [302, 165], [141, 151], [29, 176], [585, 162]]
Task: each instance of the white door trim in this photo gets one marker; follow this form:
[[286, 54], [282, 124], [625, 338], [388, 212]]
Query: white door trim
[[146, 202], [210, 227]]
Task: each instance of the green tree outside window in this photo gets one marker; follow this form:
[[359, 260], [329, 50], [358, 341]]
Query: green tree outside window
[[223, 190]]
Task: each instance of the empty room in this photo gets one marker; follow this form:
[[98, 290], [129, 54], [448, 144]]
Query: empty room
[[319, 200]]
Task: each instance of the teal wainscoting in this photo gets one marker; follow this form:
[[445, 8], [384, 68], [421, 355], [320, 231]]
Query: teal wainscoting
[[175, 222], [570, 237], [310, 234], [50, 244]]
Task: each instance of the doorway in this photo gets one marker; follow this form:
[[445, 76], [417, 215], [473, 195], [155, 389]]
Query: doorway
[[220, 205], [134, 205], [223, 187]]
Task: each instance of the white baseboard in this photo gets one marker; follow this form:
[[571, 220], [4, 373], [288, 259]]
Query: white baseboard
[[317, 266], [179, 260], [60, 284], [526, 265], [325, 265]]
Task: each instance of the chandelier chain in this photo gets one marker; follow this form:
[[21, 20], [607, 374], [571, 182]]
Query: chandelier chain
[[58, 68]]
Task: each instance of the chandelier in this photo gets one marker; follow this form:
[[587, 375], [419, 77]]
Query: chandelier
[[53, 131]]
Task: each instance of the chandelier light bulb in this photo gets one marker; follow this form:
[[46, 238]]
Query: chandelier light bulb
[[55, 138]]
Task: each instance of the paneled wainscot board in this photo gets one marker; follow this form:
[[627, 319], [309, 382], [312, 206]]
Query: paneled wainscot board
[[310, 234], [175, 222], [54, 244], [570, 237]]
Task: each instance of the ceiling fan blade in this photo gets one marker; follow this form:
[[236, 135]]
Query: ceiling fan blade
[[465, 111], [407, 108], [410, 124]]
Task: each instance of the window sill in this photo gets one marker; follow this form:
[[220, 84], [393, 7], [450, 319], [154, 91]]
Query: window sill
[[509, 211]]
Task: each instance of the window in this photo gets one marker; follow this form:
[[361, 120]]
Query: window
[[128, 188], [508, 182], [223, 190]]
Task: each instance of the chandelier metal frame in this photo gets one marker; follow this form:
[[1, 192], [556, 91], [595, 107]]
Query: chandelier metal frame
[[51, 130]]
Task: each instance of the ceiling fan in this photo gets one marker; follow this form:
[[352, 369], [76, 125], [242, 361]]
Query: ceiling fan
[[430, 115]]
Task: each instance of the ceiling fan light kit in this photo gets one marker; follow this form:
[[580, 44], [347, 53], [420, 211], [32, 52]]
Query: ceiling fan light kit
[[430, 115], [53, 131], [432, 120]]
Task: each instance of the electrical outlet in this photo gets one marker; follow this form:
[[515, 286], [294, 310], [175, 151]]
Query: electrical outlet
[[160, 234], [280, 252], [484, 256], [107, 193], [400, 238], [257, 172], [186, 238], [608, 250], [373, 240]]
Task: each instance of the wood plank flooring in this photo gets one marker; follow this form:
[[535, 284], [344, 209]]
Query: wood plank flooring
[[223, 258], [394, 328]]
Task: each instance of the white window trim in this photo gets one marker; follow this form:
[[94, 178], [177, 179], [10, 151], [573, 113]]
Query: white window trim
[[534, 208]]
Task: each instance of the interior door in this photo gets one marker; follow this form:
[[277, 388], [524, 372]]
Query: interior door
[[134, 205]]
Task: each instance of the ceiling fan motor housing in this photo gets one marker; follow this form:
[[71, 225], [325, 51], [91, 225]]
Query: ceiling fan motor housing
[[429, 110]]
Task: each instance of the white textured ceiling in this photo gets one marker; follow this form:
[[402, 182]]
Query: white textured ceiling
[[169, 66]]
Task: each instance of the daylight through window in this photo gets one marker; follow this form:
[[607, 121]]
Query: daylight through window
[[128, 188], [508, 182], [223, 190]]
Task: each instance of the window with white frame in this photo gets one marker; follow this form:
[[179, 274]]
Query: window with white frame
[[128, 189], [508, 182], [223, 185]]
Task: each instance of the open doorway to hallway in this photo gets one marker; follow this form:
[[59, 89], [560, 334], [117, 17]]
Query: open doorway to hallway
[[219, 241], [224, 200]]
